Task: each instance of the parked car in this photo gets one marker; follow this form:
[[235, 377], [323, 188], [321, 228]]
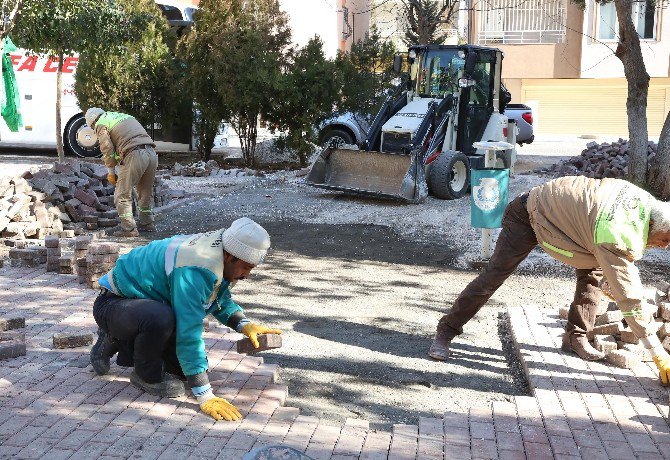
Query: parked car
[[524, 121], [346, 128], [350, 128]]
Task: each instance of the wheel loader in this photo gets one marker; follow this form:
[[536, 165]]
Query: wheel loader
[[422, 139]]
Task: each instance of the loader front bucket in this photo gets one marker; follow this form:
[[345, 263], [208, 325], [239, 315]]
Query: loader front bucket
[[389, 175]]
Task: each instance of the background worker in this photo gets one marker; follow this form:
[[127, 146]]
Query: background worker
[[599, 227], [126, 144], [153, 301]]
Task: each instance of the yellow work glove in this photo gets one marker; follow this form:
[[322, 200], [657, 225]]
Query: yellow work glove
[[220, 409], [253, 330], [663, 363], [111, 177]]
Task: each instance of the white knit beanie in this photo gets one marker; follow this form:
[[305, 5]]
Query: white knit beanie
[[92, 116], [246, 240]]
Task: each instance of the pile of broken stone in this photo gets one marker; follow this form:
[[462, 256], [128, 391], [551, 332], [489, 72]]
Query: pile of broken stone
[[210, 168], [608, 159], [70, 196], [612, 336]]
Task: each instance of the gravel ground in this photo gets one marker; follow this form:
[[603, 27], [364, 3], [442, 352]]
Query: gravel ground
[[358, 286]]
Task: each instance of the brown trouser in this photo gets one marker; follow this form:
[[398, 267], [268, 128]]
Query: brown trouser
[[515, 242], [136, 171]]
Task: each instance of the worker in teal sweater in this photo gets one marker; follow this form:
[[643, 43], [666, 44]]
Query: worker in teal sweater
[[153, 301]]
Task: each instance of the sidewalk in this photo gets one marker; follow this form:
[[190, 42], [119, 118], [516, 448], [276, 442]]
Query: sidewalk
[[54, 406]]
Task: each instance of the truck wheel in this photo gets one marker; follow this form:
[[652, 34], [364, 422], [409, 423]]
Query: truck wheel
[[449, 176], [338, 137], [80, 140]]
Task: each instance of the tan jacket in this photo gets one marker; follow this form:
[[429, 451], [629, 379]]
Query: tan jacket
[[589, 223], [119, 134]]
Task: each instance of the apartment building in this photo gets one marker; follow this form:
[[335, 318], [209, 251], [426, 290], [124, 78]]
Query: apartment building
[[560, 60]]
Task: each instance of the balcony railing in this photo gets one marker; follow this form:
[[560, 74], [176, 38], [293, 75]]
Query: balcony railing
[[522, 22]]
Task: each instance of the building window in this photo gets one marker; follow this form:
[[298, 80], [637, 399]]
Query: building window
[[644, 19], [607, 24], [514, 22]]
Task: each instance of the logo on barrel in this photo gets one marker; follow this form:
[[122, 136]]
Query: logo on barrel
[[487, 194]]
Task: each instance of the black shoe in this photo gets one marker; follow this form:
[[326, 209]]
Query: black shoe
[[170, 387], [102, 351]]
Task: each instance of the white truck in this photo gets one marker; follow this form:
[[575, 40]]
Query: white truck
[[36, 80]]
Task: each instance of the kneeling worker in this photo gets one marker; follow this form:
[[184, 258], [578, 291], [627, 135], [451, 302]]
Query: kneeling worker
[[599, 227], [152, 304], [126, 144]]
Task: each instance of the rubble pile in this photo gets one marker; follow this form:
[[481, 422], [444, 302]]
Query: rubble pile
[[69, 196], [599, 161], [612, 336], [196, 169], [210, 169]]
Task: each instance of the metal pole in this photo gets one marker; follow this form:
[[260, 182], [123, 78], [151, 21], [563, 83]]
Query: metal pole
[[487, 233]]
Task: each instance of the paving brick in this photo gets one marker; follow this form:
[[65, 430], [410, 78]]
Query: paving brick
[[538, 451], [623, 358], [605, 344], [509, 441], [69, 340], [12, 346], [7, 324], [607, 329], [265, 342]]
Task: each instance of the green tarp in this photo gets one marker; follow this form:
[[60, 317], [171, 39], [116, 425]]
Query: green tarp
[[11, 109]]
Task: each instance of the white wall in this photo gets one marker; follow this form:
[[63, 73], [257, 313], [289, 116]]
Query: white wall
[[313, 17], [599, 61]]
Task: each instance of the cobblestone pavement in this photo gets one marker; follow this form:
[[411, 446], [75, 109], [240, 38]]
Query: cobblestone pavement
[[54, 406]]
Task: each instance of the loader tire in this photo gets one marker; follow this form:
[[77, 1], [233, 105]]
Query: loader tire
[[449, 177]]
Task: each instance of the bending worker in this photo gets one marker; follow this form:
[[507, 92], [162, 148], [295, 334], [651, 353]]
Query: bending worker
[[599, 227], [126, 144], [153, 301]]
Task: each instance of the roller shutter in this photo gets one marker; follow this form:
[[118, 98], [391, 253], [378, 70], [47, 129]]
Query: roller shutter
[[574, 106]]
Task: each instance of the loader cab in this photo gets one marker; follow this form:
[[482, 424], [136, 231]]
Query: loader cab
[[479, 100], [437, 70]]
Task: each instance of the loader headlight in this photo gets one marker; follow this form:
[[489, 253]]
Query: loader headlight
[[412, 54]]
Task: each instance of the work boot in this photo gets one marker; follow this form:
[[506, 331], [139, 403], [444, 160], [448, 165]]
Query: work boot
[[102, 351], [170, 387], [580, 344], [126, 233], [439, 349], [146, 227]]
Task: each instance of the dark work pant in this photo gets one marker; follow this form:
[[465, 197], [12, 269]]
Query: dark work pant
[[515, 242], [145, 330]]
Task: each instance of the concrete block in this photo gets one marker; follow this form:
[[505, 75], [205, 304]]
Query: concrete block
[[265, 342], [67, 234], [623, 358], [609, 317], [8, 324], [627, 336], [663, 286], [65, 340], [664, 311], [12, 345], [607, 329], [602, 308], [563, 312], [605, 343], [666, 343], [643, 353]]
